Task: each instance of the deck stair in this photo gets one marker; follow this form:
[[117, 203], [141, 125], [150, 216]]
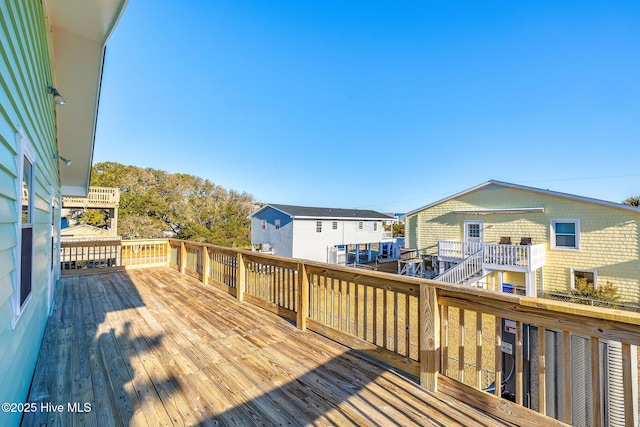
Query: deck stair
[[467, 272]]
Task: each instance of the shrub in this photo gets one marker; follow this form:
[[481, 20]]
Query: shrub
[[585, 290]]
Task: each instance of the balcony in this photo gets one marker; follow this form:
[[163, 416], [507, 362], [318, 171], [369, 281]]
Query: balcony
[[97, 198], [523, 258], [207, 337]]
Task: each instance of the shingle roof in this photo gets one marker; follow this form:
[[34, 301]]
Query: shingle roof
[[335, 213]]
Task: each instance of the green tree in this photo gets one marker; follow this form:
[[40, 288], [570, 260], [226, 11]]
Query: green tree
[[153, 202], [95, 217], [632, 201]]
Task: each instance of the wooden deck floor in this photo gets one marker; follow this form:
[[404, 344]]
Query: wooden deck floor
[[153, 347]]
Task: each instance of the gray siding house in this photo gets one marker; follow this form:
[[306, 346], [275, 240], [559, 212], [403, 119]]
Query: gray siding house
[[318, 234]]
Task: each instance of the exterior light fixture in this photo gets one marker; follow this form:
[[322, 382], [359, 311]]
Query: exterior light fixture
[[67, 162], [57, 98]]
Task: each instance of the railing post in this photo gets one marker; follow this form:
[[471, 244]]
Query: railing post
[[241, 277], [205, 265], [183, 258], [168, 253], [303, 297], [429, 338]]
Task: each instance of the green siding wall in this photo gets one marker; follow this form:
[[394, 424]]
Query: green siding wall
[[610, 237], [25, 72]]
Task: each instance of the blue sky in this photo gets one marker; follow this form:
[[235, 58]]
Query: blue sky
[[384, 105]]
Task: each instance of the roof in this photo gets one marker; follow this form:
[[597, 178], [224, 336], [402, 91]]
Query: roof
[[309, 212], [533, 190], [86, 227], [79, 31]]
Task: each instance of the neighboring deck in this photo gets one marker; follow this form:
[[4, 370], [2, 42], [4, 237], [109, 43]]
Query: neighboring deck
[[97, 198], [154, 347]]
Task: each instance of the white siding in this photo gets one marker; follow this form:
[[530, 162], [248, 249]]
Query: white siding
[[281, 240], [311, 245]]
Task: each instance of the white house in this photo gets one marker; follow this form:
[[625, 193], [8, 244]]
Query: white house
[[319, 234]]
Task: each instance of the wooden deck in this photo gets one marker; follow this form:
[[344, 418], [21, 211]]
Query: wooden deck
[[154, 347]]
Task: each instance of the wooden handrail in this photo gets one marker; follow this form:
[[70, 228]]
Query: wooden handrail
[[411, 323]]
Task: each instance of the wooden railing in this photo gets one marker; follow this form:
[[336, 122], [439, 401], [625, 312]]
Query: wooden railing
[[450, 337], [96, 196], [96, 255]]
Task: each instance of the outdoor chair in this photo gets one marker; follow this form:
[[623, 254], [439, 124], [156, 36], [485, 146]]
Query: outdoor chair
[[505, 241], [525, 241]]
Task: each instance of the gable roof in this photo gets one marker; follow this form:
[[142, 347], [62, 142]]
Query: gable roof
[[533, 190], [309, 212]]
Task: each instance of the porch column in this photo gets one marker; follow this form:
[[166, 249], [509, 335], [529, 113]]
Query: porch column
[[500, 280], [530, 284], [113, 228], [369, 252], [441, 267], [357, 254]]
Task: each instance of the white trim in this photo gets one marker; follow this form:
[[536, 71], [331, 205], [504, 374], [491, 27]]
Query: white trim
[[468, 222], [54, 256], [552, 234], [500, 211], [25, 149], [582, 270]]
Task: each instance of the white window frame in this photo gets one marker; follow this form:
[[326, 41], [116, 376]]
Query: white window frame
[[375, 225], [276, 223], [263, 224], [583, 270], [467, 227], [54, 268], [318, 226], [552, 226], [360, 225], [334, 225], [25, 150]]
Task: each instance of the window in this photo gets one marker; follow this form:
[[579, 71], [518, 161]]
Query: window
[[375, 226], [24, 248], [334, 225], [318, 226], [585, 276], [565, 234], [27, 230], [264, 224], [277, 224], [360, 225]]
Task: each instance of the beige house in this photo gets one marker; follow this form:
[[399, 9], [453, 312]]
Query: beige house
[[499, 232], [84, 232]]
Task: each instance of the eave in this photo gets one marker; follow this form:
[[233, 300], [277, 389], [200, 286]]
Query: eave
[[500, 211], [78, 31]]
